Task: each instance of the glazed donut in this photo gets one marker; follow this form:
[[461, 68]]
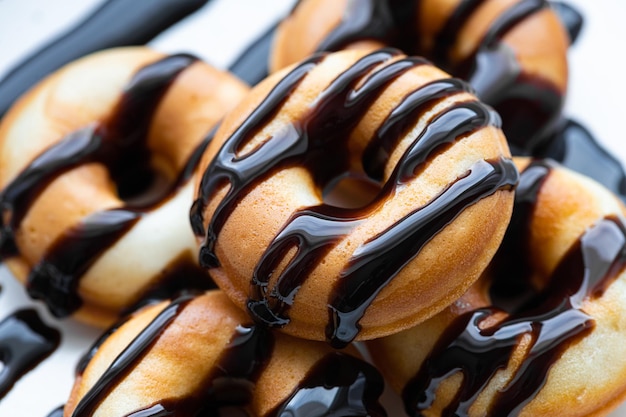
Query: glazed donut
[[542, 332], [200, 354], [279, 243], [95, 170], [512, 52]]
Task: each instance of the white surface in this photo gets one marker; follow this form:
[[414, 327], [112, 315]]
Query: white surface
[[218, 33]]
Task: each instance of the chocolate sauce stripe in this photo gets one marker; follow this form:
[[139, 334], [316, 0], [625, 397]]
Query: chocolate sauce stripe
[[218, 170], [119, 142], [509, 19], [127, 359], [553, 319], [56, 277], [402, 118], [375, 263]]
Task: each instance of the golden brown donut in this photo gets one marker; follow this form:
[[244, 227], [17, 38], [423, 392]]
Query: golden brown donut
[[95, 171], [513, 52], [439, 177], [201, 353], [542, 333]]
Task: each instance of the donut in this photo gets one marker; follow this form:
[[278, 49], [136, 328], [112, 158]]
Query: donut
[[541, 332], [201, 355], [96, 167], [512, 52], [433, 178]]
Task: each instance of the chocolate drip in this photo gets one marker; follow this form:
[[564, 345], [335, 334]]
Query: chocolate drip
[[492, 70], [55, 278], [316, 230], [403, 117], [114, 23], [125, 361], [350, 384], [118, 142], [228, 389], [575, 147], [376, 262], [338, 385], [552, 319], [25, 341]]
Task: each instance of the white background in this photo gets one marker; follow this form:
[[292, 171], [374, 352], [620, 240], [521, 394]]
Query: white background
[[218, 33]]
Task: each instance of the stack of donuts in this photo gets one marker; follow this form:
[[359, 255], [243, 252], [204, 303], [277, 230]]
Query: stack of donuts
[[372, 213]]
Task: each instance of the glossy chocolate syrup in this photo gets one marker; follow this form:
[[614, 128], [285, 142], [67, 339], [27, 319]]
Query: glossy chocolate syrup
[[575, 147], [317, 141], [25, 341], [552, 317], [528, 105], [114, 23], [125, 360], [119, 142], [336, 385]]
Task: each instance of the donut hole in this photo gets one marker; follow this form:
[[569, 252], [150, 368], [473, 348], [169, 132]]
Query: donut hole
[[351, 191], [142, 183]]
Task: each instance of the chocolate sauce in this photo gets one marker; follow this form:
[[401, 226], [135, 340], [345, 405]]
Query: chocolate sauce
[[118, 142], [575, 147], [25, 341], [125, 360], [552, 318], [336, 384], [492, 70], [114, 23], [316, 230]]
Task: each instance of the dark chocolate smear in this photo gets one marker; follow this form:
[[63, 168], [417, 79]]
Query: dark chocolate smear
[[25, 341], [338, 385]]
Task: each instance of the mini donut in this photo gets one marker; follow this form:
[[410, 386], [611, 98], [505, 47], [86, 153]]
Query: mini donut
[[542, 332], [201, 355], [512, 52], [433, 181], [96, 167]]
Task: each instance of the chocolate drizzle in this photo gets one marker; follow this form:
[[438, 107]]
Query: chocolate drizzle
[[25, 341], [336, 383], [552, 317], [118, 142], [527, 103], [125, 360], [315, 230]]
